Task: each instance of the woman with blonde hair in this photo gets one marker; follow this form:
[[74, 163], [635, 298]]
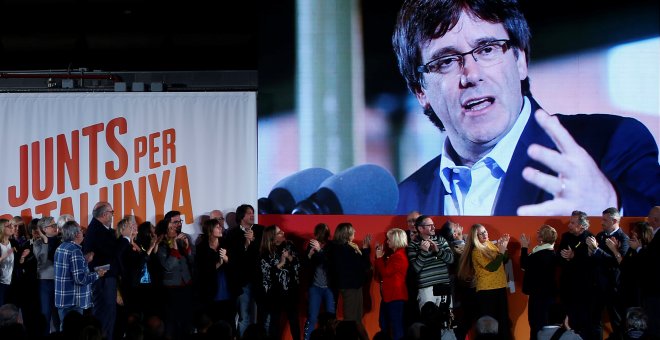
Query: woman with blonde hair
[[483, 261], [392, 272], [349, 265]]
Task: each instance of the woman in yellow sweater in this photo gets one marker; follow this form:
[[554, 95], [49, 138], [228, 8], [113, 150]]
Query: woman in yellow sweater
[[483, 262]]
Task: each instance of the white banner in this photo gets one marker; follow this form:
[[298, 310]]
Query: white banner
[[145, 153]]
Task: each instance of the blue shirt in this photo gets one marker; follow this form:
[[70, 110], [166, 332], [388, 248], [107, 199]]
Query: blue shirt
[[73, 280]]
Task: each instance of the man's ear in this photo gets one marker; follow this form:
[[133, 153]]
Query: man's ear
[[521, 63], [420, 94]]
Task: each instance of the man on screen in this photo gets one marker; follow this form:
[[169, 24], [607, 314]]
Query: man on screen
[[466, 62]]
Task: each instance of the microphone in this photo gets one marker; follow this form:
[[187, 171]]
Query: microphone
[[291, 189], [364, 189]]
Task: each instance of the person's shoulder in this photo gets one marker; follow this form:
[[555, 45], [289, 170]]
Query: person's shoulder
[[422, 174], [598, 122]]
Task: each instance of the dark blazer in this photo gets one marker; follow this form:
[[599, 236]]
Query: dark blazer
[[348, 268], [608, 274], [540, 272], [577, 275], [206, 274], [243, 262], [623, 148], [103, 242]]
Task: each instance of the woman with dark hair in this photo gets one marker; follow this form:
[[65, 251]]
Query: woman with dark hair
[[215, 299], [483, 261], [279, 270], [349, 265], [392, 272], [175, 256], [319, 289], [149, 286], [540, 275], [631, 263]]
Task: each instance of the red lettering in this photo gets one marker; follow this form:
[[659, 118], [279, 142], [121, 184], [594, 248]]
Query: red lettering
[[119, 150], [92, 132], [37, 193], [19, 200], [69, 161]]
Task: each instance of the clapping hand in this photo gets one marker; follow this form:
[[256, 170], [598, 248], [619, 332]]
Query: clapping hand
[[503, 242], [580, 184], [379, 251], [367, 241], [613, 244], [524, 241]]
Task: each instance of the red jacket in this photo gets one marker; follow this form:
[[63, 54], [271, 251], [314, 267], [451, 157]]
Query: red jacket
[[393, 275]]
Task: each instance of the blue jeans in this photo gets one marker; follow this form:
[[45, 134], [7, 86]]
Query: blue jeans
[[318, 295], [246, 308], [62, 312], [392, 321], [47, 296]]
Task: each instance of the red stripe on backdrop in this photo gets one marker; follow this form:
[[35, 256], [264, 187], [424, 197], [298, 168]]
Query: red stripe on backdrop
[[299, 229]]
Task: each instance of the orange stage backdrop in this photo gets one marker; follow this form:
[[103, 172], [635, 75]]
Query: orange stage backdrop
[[299, 229]]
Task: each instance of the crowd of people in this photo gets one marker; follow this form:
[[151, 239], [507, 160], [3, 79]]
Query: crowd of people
[[125, 280]]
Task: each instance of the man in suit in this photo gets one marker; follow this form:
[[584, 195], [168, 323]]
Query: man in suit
[[466, 62], [101, 243], [608, 282], [576, 280]]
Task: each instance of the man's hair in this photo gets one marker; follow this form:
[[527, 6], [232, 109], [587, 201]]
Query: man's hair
[[420, 220], [398, 238], [486, 325], [556, 314], [583, 218], [63, 219], [420, 21], [612, 213], [45, 221], [241, 211], [69, 231], [100, 209], [548, 234]]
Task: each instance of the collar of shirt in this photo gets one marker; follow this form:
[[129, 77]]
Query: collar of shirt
[[613, 231], [245, 230], [127, 238], [484, 176]]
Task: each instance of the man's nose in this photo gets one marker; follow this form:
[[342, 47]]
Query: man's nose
[[470, 72]]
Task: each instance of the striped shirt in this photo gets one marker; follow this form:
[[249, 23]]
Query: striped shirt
[[431, 267], [73, 280]]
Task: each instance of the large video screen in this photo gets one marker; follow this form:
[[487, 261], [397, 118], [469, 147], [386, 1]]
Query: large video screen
[[340, 132]]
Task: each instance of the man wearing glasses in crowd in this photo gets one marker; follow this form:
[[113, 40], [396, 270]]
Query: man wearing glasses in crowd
[[466, 62], [429, 254]]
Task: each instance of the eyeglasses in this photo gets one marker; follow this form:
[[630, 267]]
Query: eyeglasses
[[176, 222], [427, 225], [220, 218], [110, 211], [487, 54]]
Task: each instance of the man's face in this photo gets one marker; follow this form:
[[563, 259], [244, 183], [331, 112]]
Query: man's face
[[217, 215], [574, 226], [608, 223], [494, 89], [176, 222], [248, 219], [654, 217], [412, 217], [427, 228], [107, 216]]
